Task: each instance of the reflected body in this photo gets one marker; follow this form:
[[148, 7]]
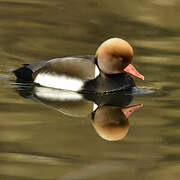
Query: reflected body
[[110, 118]]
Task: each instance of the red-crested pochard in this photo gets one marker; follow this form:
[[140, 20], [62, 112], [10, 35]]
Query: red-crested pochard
[[106, 72]]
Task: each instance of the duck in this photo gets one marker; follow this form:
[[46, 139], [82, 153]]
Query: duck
[[107, 71]]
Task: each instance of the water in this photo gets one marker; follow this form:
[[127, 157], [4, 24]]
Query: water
[[60, 141]]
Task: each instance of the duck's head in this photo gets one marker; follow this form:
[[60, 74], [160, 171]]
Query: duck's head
[[115, 56]]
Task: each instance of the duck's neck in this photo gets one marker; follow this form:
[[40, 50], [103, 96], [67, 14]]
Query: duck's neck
[[109, 83]]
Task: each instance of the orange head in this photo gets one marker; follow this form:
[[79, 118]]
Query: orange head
[[115, 56]]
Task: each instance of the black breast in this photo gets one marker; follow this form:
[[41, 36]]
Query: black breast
[[110, 83]]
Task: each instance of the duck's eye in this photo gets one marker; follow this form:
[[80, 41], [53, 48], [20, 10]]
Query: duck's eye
[[117, 56]]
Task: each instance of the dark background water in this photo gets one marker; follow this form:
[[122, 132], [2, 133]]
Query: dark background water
[[37, 142]]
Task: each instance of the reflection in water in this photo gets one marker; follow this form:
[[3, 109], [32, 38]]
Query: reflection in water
[[110, 118], [66, 102], [111, 122]]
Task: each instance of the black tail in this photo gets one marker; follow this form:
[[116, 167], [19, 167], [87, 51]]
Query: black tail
[[24, 73]]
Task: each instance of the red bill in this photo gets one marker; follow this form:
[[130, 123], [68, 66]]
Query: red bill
[[129, 110], [132, 70]]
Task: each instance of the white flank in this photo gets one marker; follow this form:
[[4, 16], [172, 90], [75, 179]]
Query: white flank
[[59, 81], [96, 71], [57, 95], [95, 106]]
